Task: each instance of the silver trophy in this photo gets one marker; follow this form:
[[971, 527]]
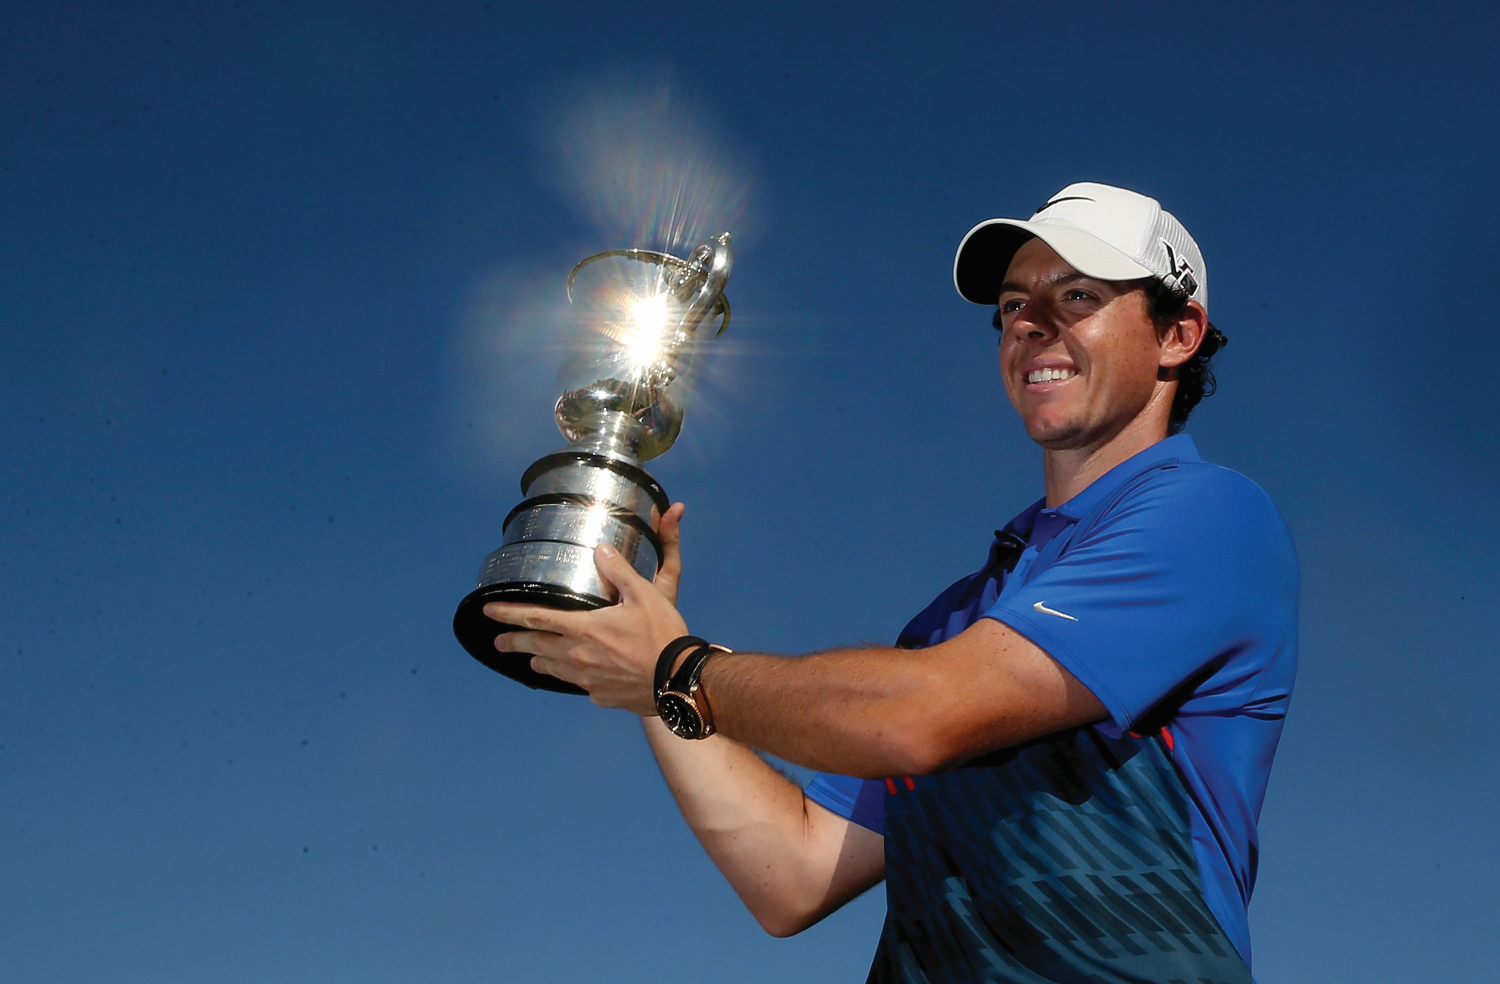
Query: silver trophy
[[594, 490]]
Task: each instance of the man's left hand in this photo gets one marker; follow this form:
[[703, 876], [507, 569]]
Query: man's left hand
[[609, 652]]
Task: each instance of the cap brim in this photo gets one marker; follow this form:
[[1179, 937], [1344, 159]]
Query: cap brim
[[984, 255]]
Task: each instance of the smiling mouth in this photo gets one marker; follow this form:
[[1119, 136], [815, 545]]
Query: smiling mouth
[[1049, 375]]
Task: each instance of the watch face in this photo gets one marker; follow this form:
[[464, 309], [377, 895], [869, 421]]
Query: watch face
[[679, 714]]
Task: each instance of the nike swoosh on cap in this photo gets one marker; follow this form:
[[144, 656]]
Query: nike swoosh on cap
[[1041, 607], [1068, 198]]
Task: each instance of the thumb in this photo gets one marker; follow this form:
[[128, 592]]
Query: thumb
[[670, 534], [617, 571]]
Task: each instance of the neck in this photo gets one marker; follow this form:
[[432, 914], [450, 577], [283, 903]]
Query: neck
[[1069, 471]]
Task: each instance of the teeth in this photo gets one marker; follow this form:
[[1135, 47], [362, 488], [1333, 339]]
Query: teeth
[[1048, 375]]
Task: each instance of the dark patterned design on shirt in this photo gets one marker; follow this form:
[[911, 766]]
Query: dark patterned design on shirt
[[1066, 859]]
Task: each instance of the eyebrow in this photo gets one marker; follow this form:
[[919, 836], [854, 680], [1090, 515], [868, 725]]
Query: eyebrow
[[1062, 278]]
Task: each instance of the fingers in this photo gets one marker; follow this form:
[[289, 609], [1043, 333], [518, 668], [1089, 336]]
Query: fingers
[[537, 643], [548, 652], [614, 568], [532, 617], [558, 668], [669, 531]]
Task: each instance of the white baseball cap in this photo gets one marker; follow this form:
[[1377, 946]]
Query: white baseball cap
[[1102, 231]]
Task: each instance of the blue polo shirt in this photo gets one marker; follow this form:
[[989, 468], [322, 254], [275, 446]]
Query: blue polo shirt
[[1125, 850]]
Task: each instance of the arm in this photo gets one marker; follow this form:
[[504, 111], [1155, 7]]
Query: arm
[[790, 861], [883, 712], [862, 712]]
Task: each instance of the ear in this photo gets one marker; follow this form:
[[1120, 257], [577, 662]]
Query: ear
[[1180, 343]]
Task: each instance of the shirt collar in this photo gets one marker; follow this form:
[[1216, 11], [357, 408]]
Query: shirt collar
[[1020, 527], [1179, 447]]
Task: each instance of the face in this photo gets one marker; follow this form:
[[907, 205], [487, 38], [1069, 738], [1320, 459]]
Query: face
[[1080, 357]]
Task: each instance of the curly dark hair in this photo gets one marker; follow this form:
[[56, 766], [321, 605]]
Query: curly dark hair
[[1195, 379]]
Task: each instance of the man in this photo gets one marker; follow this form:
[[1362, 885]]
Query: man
[[1062, 762]]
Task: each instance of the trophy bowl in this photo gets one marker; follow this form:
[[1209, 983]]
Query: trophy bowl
[[596, 490]]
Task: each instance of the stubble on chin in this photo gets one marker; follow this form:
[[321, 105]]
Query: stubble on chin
[[1057, 435]]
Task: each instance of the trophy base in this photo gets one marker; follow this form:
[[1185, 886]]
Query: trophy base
[[594, 491], [477, 633]]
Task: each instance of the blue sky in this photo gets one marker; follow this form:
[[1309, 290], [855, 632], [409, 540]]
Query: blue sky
[[275, 282]]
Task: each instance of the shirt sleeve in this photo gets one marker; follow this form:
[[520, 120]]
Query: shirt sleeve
[[859, 800], [1168, 591]]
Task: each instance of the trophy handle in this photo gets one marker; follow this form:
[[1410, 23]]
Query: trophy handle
[[644, 255], [721, 308]]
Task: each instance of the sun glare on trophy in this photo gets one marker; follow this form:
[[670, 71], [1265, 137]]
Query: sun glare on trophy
[[595, 519], [646, 323]]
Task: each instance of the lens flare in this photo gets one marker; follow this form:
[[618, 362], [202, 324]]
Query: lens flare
[[643, 336], [644, 162], [595, 518]]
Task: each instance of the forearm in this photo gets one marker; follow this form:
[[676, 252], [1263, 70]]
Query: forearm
[[790, 862], [844, 711], [890, 712]]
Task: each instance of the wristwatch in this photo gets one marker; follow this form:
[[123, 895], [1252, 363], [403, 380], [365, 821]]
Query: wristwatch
[[681, 703]]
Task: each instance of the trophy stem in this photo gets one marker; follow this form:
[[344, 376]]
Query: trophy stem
[[593, 491], [610, 432]]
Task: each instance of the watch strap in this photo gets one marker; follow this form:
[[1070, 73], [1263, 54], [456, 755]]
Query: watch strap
[[686, 677], [668, 656], [685, 684]]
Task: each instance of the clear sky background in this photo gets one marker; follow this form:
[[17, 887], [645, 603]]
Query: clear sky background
[[275, 287]]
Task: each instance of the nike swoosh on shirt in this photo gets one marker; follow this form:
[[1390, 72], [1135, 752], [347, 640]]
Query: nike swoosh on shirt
[[1041, 606]]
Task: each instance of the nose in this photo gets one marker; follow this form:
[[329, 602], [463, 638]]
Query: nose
[[1036, 321]]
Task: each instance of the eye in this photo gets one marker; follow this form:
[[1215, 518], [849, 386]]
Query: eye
[[1077, 294], [1006, 308]]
